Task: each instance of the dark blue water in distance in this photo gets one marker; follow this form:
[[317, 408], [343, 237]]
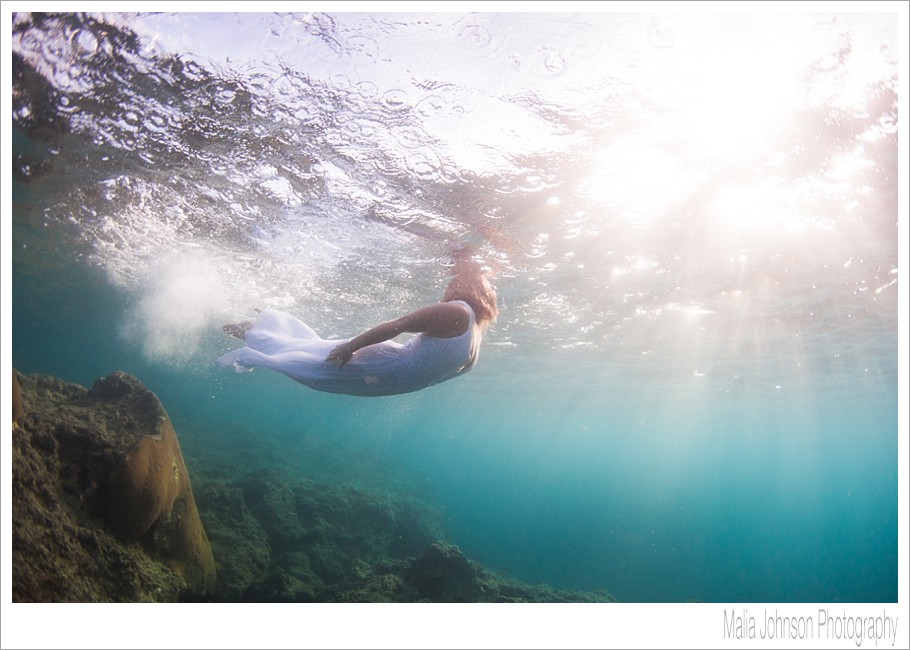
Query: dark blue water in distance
[[691, 392]]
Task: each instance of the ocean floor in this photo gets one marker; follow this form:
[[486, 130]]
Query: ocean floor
[[106, 508]]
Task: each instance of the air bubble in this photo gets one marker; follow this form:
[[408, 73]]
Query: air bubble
[[379, 189], [193, 71], [410, 137], [86, 41], [225, 96], [340, 81], [131, 118], [395, 100], [423, 167], [887, 124], [662, 35], [888, 54], [449, 175], [66, 105], [53, 51], [155, 122], [366, 89], [553, 63], [430, 106], [476, 36], [306, 115]]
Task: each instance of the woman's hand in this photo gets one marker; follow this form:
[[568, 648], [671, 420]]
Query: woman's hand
[[341, 353]]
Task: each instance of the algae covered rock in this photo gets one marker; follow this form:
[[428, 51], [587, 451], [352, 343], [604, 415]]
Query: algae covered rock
[[241, 546], [102, 496], [18, 406], [282, 537], [444, 574], [151, 496]]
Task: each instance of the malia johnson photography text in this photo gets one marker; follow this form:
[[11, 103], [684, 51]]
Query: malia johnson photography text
[[741, 624]]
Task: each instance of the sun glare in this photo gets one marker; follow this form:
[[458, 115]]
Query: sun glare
[[752, 212], [728, 99], [636, 179]]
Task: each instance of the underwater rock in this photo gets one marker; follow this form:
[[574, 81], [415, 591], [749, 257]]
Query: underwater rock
[[290, 579], [18, 405], [103, 508], [443, 574], [270, 496], [151, 496], [381, 582], [239, 542], [282, 537]]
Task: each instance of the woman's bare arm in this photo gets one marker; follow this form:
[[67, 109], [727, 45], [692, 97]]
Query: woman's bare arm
[[443, 320]]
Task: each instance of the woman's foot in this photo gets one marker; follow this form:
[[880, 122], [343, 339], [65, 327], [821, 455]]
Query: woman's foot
[[238, 330]]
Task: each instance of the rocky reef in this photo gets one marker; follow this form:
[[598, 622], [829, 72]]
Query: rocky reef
[[103, 507], [103, 510], [281, 538]]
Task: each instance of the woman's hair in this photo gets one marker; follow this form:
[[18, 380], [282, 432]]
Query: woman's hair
[[471, 285]]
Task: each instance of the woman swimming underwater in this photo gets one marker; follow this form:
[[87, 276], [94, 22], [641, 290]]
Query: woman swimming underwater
[[446, 344]]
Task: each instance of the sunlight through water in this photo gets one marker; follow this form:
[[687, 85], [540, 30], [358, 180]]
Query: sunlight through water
[[691, 220]]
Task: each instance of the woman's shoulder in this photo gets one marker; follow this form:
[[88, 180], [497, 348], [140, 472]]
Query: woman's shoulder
[[465, 305], [442, 320]]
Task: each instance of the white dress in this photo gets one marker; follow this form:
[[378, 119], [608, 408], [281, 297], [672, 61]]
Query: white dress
[[280, 342]]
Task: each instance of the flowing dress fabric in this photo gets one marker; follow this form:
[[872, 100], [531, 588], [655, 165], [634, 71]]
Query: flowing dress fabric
[[280, 342]]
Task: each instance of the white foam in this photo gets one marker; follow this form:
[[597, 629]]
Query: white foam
[[181, 301]]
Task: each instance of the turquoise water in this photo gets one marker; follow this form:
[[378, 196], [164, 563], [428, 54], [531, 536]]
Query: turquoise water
[[691, 392]]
